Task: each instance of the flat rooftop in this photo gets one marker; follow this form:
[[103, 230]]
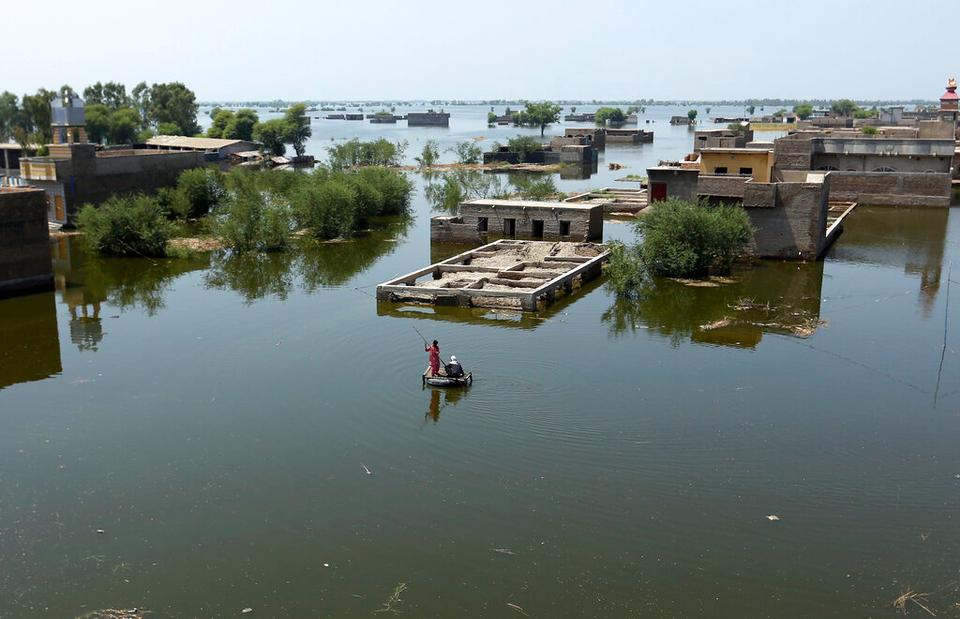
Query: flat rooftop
[[527, 204]]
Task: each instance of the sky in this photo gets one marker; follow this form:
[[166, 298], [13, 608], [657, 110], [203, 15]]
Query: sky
[[491, 49]]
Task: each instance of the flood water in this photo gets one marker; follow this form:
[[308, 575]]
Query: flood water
[[252, 433]]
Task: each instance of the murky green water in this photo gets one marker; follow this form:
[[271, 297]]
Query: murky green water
[[216, 419]]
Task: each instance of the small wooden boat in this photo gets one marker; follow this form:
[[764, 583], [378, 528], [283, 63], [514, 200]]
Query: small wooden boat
[[448, 381]]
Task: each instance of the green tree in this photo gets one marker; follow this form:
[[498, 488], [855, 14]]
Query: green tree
[[523, 145], [8, 119], [803, 111], [112, 94], [538, 115], [36, 116], [140, 99], [844, 107], [298, 129], [271, 134], [168, 129], [173, 104], [491, 118], [124, 125], [429, 155], [220, 119], [97, 118], [613, 114], [126, 226], [467, 152], [241, 125], [692, 114], [750, 110]]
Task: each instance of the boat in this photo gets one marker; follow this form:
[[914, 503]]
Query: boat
[[448, 381]]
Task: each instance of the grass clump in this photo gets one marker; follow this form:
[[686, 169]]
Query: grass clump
[[129, 225]]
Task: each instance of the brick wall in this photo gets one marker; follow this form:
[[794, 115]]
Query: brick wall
[[794, 225], [721, 186], [892, 188], [24, 242], [792, 153], [585, 224]]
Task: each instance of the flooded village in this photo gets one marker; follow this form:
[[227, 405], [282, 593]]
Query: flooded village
[[708, 349]]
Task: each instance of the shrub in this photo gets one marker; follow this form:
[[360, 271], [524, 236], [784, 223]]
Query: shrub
[[687, 239], [328, 209], [467, 152], [625, 273], [393, 186], [131, 225], [252, 219], [523, 145], [613, 114], [201, 190], [429, 155], [533, 188], [447, 194], [868, 130], [354, 153]]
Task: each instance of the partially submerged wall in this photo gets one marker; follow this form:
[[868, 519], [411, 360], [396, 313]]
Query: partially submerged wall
[[24, 242], [789, 219], [892, 188], [523, 219]]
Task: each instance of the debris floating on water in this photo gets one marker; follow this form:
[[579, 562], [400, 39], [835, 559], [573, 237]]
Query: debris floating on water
[[393, 600], [504, 551], [101, 531], [247, 611], [773, 518], [517, 608], [368, 471]]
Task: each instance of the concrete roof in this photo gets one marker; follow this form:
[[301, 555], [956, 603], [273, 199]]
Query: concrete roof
[[530, 204], [734, 151], [181, 141]]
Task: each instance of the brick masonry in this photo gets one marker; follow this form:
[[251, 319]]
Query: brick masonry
[[25, 264]]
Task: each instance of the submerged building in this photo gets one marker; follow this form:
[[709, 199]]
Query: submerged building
[[75, 174], [523, 219]]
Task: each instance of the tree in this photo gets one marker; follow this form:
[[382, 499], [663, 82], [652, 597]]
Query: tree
[[843, 107], [168, 129], [241, 125], [538, 115], [613, 114], [750, 110], [467, 152], [271, 134], [35, 117], [523, 145], [692, 115], [429, 155], [112, 94], [8, 118], [298, 129], [173, 104], [803, 111], [97, 118], [221, 118], [124, 126], [140, 99]]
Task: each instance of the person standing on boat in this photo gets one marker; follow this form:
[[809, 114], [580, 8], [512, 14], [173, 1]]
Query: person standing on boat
[[434, 351]]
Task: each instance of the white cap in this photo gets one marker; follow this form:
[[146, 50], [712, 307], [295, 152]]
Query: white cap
[[453, 358]]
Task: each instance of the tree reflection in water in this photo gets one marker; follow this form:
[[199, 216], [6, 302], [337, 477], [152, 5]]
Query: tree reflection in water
[[314, 264], [767, 298]]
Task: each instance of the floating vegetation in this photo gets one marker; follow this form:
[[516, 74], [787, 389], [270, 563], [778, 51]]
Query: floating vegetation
[[390, 605], [908, 596]]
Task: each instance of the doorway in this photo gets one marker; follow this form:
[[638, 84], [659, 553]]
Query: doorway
[[537, 232], [509, 227]]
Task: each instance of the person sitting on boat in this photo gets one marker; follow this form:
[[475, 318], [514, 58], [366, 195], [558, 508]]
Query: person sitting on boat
[[454, 369], [434, 351]]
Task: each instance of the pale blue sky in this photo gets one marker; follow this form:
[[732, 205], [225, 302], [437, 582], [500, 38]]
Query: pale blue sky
[[604, 49]]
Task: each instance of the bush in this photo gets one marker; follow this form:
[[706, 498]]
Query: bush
[[354, 153], [523, 145], [613, 114], [429, 156], [533, 188], [467, 152], [868, 130], [328, 209], [393, 186], [625, 273], [252, 219], [687, 239], [201, 189], [131, 225]]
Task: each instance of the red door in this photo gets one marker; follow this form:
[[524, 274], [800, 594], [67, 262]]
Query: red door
[[658, 192]]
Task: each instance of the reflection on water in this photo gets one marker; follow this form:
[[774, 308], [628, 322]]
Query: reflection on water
[[85, 280], [314, 265], [770, 297], [450, 398], [910, 238], [498, 317], [29, 340]]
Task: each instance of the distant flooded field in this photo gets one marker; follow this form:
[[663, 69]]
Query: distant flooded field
[[197, 437]]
